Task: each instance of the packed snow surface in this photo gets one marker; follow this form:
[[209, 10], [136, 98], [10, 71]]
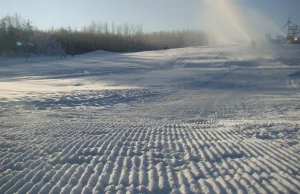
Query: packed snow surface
[[220, 119]]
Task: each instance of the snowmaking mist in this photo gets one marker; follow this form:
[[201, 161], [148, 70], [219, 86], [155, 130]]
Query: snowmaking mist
[[230, 23]]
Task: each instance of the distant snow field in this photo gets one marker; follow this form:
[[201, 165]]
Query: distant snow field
[[219, 119]]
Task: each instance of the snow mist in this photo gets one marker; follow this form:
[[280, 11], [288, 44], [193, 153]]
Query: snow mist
[[229, 23]]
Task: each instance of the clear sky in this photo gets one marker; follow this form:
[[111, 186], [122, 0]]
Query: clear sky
[[152, 14]]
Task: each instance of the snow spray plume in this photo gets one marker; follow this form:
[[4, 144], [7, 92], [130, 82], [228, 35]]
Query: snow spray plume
[[228, 23]]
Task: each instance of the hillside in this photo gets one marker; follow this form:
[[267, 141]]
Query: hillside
[[216, 119]]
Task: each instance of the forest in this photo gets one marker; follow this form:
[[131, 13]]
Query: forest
[[19, 37]]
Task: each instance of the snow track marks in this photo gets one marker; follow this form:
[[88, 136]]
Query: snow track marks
[[112, 155]]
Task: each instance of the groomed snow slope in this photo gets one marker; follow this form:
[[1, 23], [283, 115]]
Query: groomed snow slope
[[221, 119]]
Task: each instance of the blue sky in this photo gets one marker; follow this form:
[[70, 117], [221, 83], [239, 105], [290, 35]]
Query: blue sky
[[152, 14]]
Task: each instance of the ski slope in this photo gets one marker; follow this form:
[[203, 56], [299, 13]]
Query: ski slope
[[218, 119]]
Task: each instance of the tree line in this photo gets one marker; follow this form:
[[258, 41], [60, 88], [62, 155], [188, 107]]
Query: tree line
[[19, 37]]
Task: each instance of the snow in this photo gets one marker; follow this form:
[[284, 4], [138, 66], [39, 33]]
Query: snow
[[218, 119]]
